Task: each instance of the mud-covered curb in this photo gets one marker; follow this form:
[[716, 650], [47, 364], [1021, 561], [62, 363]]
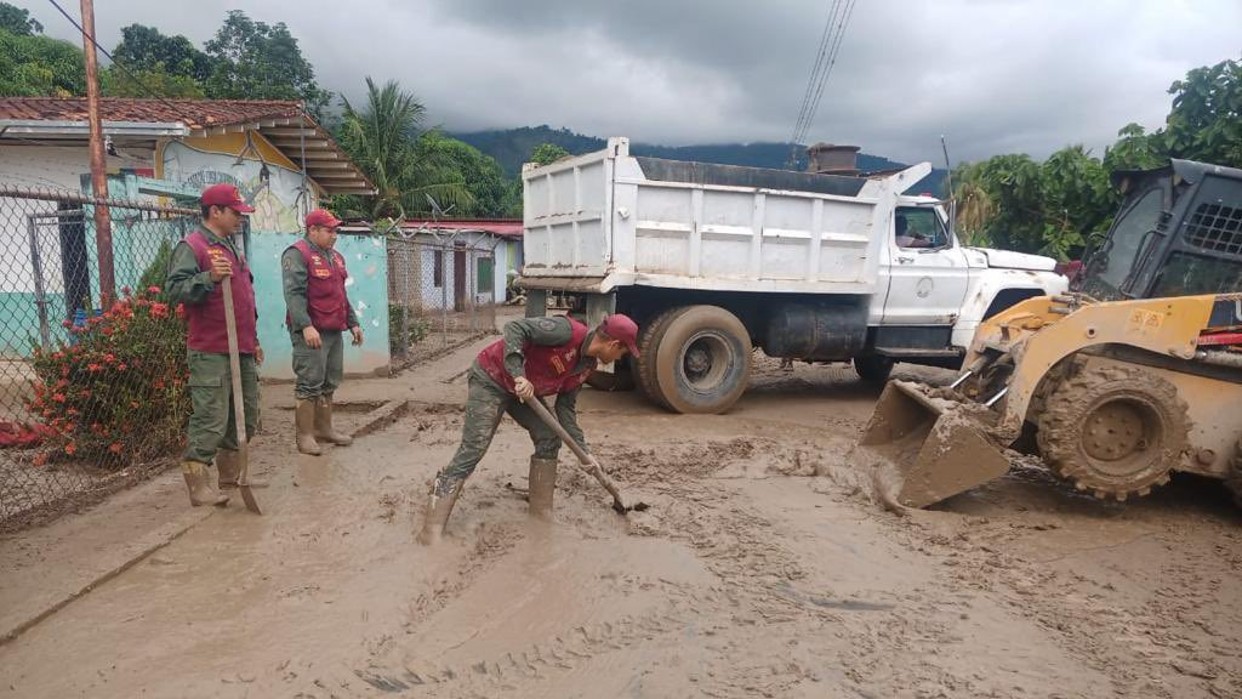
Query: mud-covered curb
[[372, 422]]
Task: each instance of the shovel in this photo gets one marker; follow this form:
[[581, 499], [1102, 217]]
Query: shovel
[[589, 465], [239, 410]]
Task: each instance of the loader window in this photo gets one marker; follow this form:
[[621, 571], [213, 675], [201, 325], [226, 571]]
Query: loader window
[[1127, 236], [1188, 275], [919, 227]]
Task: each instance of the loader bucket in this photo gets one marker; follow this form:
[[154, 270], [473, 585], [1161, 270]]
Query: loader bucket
[[938, 449]]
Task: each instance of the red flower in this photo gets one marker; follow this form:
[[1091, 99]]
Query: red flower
[[120, 367], [126, 290], [153, 289], [115, 448], [40, 459], [93, 367], [159, 310], [71, 448], [58, 397]]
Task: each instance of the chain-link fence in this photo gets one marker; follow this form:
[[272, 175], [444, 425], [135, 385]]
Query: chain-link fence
[[442, 293], [92, 385]]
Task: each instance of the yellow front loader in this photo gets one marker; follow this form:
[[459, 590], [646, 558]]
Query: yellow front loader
[[1112, 395]]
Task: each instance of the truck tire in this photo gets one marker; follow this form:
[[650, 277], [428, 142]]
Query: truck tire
[[873, 368], [702, 360], [621, 379], [645, 366], [1114, 431]]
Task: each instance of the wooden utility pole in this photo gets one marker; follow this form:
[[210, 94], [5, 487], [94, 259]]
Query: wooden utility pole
[[99, 167]]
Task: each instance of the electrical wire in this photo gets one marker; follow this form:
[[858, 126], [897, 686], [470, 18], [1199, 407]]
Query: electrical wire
[[116, 63], [830, 43]]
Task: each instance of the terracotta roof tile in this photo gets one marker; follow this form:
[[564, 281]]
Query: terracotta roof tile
[[195, 114]]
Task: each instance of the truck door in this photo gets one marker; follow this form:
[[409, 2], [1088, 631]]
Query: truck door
[[927, 272]]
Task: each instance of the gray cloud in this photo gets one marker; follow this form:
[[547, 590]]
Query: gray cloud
[[994, 76]]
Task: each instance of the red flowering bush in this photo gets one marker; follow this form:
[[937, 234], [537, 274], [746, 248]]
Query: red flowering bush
[[117, 392]]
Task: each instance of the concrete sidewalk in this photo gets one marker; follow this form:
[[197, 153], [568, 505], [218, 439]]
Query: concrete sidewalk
[[47, 568]]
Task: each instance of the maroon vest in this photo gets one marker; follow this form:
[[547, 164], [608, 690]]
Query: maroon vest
[[325, 289], [549, 369], [208, 331]]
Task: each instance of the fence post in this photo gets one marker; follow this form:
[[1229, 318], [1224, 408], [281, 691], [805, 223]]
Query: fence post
[[36, 263]]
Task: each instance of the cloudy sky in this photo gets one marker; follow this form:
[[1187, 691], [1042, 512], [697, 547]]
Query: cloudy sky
[[993, 76]]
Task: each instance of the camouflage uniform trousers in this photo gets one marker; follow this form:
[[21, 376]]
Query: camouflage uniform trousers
[[318, 371], [212, 426], [486, 404]]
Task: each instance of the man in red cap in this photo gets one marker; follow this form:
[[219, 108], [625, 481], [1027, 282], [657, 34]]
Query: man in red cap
[[318, 313], [536, 357], [201, 263]]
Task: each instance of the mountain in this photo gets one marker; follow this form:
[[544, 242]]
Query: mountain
[[512, 147]]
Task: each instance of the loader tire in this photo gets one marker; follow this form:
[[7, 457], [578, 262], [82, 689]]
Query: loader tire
[[1234, 478], [644, 365], [1114, 431], [703, 360]]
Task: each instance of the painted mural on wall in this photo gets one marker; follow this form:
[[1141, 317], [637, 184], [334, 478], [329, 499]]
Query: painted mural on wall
[[279, 203]]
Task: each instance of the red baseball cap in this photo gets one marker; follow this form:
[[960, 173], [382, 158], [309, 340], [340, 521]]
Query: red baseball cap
[[322, 217], [225, 194], [622, 328]]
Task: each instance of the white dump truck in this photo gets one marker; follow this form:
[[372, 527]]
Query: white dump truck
[[714, 261]]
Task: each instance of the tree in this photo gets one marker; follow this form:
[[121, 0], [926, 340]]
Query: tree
[[18, 21], [548, 153], [33, 66], [156, 82], [1136, 149], [1205, 122], [256, 60], [145, 48], [1014, 202], [491, 193], [405, 164]]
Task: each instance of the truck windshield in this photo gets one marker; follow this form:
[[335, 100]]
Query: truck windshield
[[1127, 236]]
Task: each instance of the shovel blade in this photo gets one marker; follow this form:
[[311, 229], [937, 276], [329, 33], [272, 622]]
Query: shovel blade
[[248, 497], [938, 450]]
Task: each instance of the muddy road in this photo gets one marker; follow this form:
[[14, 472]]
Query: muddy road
[[762, 568]]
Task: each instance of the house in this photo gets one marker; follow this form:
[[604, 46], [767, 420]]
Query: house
[[168, 150], [453, 264]]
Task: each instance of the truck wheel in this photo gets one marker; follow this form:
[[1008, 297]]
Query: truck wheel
[[873, 368], [645, 366], [621, 379], [1115, 431], [702, 360]]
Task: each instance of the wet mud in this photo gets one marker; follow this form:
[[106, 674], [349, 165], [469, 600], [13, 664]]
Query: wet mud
[[769, 563]]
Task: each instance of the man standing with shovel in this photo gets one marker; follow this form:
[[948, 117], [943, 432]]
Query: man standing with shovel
[[536, 357], [202, 263]]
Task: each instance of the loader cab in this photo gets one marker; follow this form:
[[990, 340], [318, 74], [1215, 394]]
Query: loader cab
[[1178, 232]]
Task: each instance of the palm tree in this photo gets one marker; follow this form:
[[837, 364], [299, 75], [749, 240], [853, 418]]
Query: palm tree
[[386, 139]]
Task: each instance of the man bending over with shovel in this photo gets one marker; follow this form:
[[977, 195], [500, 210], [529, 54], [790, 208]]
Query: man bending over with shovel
[[536, 357]]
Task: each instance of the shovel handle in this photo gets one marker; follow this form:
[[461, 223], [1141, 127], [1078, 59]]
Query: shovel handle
[[546, 415], [591, 465], [239, 414]]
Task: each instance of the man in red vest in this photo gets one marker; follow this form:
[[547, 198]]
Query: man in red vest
[[201, 263], [536, 357], [318, 313]]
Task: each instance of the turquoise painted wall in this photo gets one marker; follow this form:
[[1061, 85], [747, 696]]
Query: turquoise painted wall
[[366, 257]]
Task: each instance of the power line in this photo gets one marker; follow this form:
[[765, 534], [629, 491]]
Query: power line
[[825, 59], [816, 68], [115, 62], [838, 39]]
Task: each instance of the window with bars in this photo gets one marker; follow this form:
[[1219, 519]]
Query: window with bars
[[1215, 227]]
